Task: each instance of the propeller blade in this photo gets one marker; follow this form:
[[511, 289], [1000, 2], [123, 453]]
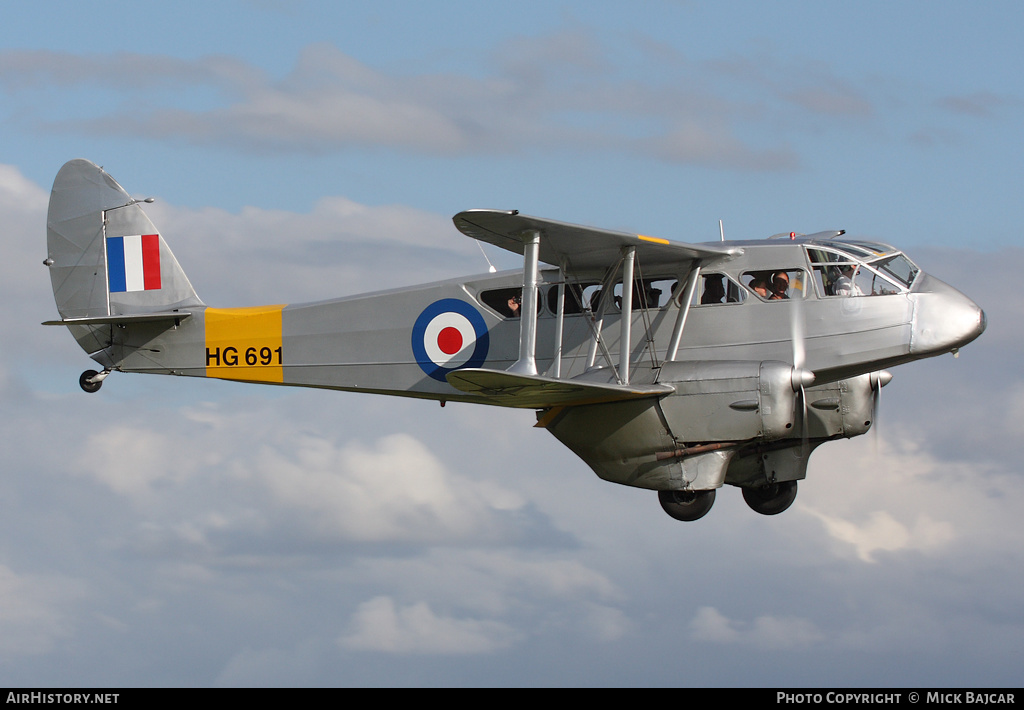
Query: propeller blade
[[801, 377], [878, 380], [796, 328]]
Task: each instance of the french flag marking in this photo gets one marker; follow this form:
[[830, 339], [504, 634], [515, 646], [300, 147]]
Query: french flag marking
[[133, 263]]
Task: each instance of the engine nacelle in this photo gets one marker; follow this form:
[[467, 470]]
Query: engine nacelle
[[686, 439], [737, 422], [842, 409], [729, 400]]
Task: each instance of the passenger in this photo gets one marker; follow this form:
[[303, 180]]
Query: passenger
[[514, 306], [759, 285], [780, 285], [714, 290]]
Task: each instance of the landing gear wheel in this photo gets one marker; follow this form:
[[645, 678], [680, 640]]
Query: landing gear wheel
[[771, 499], [687, 505], [84, 381]]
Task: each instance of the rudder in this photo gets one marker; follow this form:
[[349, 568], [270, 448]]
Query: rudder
[[105, 256]]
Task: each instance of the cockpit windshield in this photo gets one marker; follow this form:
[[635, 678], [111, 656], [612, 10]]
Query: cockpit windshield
[[899, 267], [849, 268]]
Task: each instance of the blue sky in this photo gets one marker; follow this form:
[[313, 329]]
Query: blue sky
[[207, 533], [779, 116]]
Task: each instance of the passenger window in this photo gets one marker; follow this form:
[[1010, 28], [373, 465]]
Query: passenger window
[[658, 292], [507, 302], [649, 294], [776, 284], [583, 297], [717, 288], [577, 297]]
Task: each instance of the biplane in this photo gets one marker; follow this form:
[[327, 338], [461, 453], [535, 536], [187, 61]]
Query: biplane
[[663, 365]]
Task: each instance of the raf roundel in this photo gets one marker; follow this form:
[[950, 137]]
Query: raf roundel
[[448, 335]]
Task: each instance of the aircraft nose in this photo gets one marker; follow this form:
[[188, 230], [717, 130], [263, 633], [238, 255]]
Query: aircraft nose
[[944, 318]]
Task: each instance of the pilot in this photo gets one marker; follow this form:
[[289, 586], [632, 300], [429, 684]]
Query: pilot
[[780, 285], [845, 285]]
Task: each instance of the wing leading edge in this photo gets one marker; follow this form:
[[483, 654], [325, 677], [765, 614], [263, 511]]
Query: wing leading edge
[[584, 247]]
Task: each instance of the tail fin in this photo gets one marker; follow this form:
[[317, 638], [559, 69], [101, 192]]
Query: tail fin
[[106, 258]]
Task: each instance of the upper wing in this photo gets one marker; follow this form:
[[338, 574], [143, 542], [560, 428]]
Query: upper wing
[[584, 247]]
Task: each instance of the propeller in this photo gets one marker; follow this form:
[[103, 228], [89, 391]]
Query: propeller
[[801, 377], [878, 380]]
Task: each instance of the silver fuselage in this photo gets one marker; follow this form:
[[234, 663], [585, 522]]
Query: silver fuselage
[[365, 342]]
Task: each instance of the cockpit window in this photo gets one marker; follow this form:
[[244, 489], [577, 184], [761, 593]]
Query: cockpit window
[[899, 267], [841, 274], [776, 284], [865, 250]]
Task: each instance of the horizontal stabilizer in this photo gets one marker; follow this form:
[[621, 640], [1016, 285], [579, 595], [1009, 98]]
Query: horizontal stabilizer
[[537, 392], [168, 316], [583, 247]]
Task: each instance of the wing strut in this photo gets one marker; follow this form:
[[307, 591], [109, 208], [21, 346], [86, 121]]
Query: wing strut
[[626, 320], [559, 322], [684, 310], [607, 296], [527, 362]]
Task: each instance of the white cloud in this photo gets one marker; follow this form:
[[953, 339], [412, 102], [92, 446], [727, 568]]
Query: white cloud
[[18, 194], [131, 460], [709, 624], [984, 104], [339, 248], [31, 618], [563, 94], [288, 667], [268, 476], [881, 532], [765, 632], [495, 582], [381, 625], [697, 144], [895, 497], [395, 490], [605, 624]]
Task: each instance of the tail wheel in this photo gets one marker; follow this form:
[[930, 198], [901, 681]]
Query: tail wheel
[[771, 499], [85, 381], [687, 505]]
